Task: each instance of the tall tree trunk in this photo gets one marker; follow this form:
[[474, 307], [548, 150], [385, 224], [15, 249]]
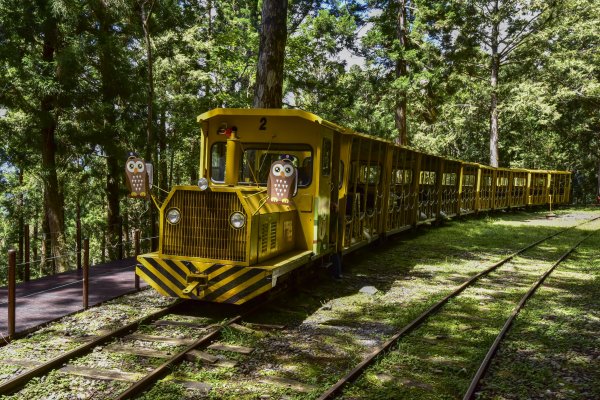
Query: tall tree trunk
[[35, 242], [162, 148], [146, 13], [125, 218], [598, 176], [495, 68], [46, 262], [172, 161], [52, 192], [113, 207], [268, 92], [207, 86], [401, 71], [21, 213], [78, 238], [193, 171], [110, 92]]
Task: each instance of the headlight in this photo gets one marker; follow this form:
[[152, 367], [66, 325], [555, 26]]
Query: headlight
[[173, 216], [237, 220], [203, 184]]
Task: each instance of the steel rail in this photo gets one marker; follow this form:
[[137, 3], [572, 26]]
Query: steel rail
[[492, 351], [356, 371], [21, 379], [150, 379]]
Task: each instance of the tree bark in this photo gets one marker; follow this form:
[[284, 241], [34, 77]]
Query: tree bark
[[268, 92], [162, 152], [401, 71], [598, 176], [146, 13], [495, 68], [52, 192], [193, 170], [35, 241], [110, 91], [113, 211], [21, 229]]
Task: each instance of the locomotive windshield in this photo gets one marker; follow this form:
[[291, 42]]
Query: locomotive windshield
[[256, 161]]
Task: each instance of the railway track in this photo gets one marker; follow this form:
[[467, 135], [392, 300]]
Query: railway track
[[336, 389], [204, 335], [39, 369]]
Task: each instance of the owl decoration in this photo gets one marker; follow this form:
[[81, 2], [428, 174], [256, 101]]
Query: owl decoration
[[282, 184], [137, 177]]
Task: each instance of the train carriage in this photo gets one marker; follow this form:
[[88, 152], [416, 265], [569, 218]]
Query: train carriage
[[450, 188], [429, 188], [518, 191], [469, 182], [502, 188], [538, 187], [227, 240], [560, 187], [485, 188], [363, 190], [402, 203]]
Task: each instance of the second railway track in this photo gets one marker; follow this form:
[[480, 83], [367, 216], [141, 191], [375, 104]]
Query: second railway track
[[489, 291]]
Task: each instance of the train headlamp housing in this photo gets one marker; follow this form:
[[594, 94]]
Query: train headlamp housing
[[203, 184], [237, 220], [173, 216]]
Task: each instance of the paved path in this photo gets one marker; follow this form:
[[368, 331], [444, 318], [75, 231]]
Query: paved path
[[51, 297]]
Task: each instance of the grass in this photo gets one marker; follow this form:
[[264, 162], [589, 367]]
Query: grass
[[438, 360], [553, 347]]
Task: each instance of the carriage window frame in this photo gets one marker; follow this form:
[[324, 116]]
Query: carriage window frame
[[501, 181], [282, 149], [402, 176], [449, 178], [519, 181], [362, 174], [469, 180], [223, 158], [427, 178]]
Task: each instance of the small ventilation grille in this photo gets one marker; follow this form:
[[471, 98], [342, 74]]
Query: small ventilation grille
[[264, 237], [273, 234]]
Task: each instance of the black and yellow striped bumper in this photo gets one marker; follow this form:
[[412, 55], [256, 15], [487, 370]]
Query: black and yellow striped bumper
[[224, 283]]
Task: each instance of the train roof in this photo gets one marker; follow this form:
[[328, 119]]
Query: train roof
[[279, 112]]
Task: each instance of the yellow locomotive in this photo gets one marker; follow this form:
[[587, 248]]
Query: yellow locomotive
[[229, 239]]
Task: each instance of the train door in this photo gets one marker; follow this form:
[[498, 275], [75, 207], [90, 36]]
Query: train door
[[321, 239]]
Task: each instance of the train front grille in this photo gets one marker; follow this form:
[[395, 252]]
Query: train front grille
[[204, 229]]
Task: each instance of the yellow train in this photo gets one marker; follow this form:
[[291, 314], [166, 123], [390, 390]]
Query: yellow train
[[228, 240]]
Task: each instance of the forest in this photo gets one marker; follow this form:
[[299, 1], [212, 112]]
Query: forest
[[509, 83]]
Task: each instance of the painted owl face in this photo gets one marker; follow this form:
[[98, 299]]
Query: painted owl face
[[135, 166], [282, 183], [137, 177], [282, 170]]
